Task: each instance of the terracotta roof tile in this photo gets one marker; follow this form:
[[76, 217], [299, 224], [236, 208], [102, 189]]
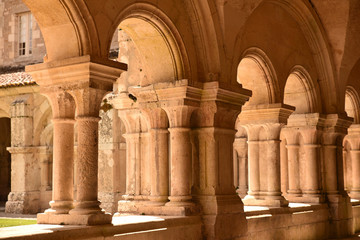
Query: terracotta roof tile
[[16, 79]]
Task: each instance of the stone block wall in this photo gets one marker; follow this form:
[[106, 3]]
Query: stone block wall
[[9, 38]]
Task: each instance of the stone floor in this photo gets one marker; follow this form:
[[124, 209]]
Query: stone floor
[[139, 227]]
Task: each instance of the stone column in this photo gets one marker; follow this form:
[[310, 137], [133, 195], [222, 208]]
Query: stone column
[[335, 128], [63, 166], [87, 207], [253, 171], [241, 170], [45, 155], [87, 80], [25, 175], [274, 195], [293, 168], [159, 152], [312, 187], [331, 181], [180, 155], [132, 165], [130, 115], [45, 158]]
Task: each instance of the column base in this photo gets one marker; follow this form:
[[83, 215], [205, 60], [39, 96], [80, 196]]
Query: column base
[[157, 200], [68, 219], [340, 215], [242, 193], [222, 215], [307, 198], [189, 210], [23, 202], [355, 194], [130, 206], [180, 201], [269, 201], [109, 201]]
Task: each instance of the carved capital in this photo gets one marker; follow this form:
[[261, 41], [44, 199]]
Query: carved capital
[[62, 104], [88, 101], [131, 120], [219, 107], [77, 72], [266, 113], [353, 136], [156, 117], [335, 128]]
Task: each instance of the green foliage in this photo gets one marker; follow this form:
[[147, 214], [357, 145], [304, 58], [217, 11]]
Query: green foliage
[[10, 222], [106, 106]]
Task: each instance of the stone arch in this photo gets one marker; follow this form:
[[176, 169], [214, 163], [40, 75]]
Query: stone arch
[[46, 136], [315, 35], [352, 104], [41, 121], [4, 114], [300, 91], [64, 26], [255, 72], [157, 40], [300, 29]]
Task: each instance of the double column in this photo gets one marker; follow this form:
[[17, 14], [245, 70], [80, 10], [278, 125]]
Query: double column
[[88, 102], [263, 125], [80, 82]]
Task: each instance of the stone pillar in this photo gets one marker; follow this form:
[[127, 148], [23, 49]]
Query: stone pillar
[[87, 80], [111, 157], [263, 124], [24, 197], [87, 207], [335, 128], [212, 141]]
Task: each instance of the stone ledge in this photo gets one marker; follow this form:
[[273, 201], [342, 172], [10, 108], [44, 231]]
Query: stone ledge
[[67, 219]]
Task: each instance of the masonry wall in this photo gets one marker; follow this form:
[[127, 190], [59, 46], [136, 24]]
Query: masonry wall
[[9, 37]]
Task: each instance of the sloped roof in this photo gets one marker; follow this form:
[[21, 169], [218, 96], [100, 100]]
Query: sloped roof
[[16, 79]]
